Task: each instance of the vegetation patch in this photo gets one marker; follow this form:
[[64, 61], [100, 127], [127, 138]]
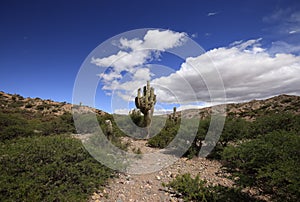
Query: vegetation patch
[[51, 168], [195, 189]]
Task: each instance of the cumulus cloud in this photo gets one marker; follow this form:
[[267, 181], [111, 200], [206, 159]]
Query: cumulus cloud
[[248, 72], [132, 56], [247, 69]]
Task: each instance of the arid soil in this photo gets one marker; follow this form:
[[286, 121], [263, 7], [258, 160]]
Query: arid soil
[[148, 187]]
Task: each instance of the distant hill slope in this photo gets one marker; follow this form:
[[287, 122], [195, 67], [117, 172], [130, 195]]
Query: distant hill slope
[[17, 103], [255, 108], [247, 110]]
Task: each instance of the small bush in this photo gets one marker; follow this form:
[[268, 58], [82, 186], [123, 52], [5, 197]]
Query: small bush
[[28, 105], [195, 189], [191, 189]]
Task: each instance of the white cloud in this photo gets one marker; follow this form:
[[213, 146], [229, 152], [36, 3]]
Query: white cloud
[[163, 40], [212, 14], [192, 106], [248, 72], [195, 35], [132, 56], [283, 47], [252, 44], [121, 111], [284, 21], [143, 74]]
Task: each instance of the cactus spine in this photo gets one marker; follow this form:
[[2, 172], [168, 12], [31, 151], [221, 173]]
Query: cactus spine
[[145, 103]]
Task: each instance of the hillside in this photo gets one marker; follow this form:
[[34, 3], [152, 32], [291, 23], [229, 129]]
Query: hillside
[[247, 110], [253, 109], [34, 106]]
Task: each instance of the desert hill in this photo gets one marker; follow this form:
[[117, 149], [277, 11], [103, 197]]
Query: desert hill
[[247, 110], [17, 103], [252, 109]]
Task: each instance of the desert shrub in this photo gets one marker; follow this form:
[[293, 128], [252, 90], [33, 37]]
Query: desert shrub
[[59, 125], [137, 118], [16, 104], [165, 136], [234, 129], [195, 189], [268, 162], [54, 110], [28, 105], [13, 126], [40, 107], [15, 131], [52, 168], [191, 189], [16, 125], [271, 122]]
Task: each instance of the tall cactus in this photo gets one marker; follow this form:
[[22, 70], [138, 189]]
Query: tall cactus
[[174, 116], [145, 103]]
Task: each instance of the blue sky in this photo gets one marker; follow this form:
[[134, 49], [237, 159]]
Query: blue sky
[[44, 43]]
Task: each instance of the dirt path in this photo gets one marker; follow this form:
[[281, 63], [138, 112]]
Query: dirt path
[[148, 187]]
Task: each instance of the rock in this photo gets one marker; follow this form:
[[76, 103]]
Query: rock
[[158, 177], [172, 199], [121, 198], [95, 196], [173, 175]]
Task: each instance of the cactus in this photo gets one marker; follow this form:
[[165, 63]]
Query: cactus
[[145, 103], [109, 130], [174, 117]]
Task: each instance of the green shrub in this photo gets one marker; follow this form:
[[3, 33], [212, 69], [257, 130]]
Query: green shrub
[[28, 105], [59, 125], [15, 131], [272, 122], [165, 136], [52, 168], [269, 162], [195, 189], [191, 189], [13, 126]]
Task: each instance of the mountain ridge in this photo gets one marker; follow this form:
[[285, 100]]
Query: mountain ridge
[[16, 102], [247, 110], [250, 109]]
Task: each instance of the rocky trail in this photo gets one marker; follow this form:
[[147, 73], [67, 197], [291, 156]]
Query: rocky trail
[[148, 187]]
